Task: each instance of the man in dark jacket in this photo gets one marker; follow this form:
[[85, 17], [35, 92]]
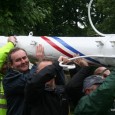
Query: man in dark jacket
[[42, 95], [15, 80]]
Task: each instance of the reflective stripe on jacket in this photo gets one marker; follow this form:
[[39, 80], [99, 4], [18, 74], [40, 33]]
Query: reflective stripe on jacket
[[3, 103]]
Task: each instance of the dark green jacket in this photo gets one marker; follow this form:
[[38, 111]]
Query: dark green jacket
[[100, 101]]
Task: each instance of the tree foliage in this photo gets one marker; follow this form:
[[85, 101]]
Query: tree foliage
[[107, 9], [20, 16], [55, 17], [103, 16], [64, 18]]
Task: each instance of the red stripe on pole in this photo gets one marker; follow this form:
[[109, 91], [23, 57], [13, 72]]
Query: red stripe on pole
[[56, 47]]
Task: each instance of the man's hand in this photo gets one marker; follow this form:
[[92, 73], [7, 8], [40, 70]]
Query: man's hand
[[80, 61], [40, 52], [63, 59], [12, 39]]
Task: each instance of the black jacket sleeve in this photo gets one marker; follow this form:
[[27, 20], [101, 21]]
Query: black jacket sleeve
[[36, 84], [75, 85], [45, 74], [72, 72]]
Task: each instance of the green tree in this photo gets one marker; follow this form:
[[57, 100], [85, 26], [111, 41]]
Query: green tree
[[108, 20], [103, 16], [55, 17], [20, 16], [64, 18]]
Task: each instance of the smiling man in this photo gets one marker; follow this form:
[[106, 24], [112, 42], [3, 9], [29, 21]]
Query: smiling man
[[15, 80]]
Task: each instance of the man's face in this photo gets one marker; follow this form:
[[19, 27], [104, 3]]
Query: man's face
[[102, 71], [20, 61], [92, 88]]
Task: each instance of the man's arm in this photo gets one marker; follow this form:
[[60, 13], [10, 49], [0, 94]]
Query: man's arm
[[46, 74], [5, 49], [75, 85], [36, 84]]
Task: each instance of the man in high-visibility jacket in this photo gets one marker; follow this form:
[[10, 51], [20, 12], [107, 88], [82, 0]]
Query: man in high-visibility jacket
[[3, 55]]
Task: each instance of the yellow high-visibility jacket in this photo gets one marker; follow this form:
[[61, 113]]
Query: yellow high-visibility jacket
[[3, 55]]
